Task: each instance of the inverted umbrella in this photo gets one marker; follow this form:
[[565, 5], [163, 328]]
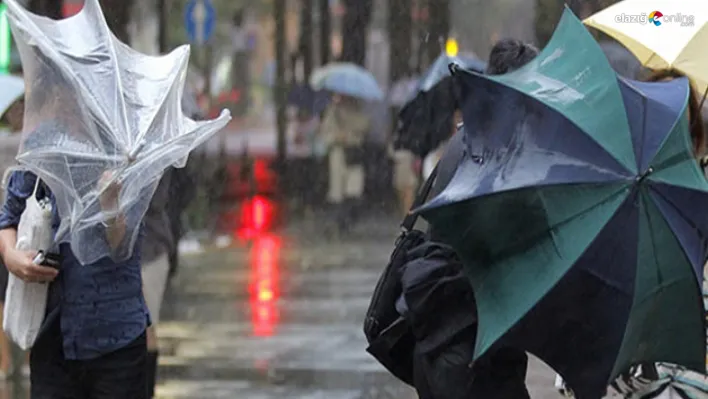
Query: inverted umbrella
[[579, 214], [95, 106], [675, 37], [347, 79]]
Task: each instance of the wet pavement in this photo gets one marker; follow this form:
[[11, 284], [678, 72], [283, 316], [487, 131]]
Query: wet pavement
[[281, 318]]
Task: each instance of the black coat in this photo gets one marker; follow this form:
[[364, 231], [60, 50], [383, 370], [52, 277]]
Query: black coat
[[439, 305]]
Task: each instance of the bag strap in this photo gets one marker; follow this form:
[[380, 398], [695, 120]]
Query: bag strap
[[409, 221]]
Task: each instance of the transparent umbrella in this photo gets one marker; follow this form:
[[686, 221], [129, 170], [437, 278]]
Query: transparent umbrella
[[96, 110]]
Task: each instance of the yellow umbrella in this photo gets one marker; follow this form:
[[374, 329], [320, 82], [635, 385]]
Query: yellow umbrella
[[661, 34]]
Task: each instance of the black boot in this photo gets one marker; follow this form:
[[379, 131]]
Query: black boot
[[151, 372]]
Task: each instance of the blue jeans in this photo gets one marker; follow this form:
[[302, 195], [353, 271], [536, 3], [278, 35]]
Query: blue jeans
[[117, 375]]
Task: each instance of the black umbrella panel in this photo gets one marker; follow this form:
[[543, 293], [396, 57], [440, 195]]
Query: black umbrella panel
[[428, 120]]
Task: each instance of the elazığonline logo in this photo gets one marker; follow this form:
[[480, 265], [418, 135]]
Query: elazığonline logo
[[656, 18]]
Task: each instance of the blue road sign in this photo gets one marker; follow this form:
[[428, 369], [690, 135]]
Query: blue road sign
[[199, 20]]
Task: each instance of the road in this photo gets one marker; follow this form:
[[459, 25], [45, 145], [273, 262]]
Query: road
[[282, 319]]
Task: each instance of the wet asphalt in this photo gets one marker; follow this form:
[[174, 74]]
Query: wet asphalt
[[280, 317]]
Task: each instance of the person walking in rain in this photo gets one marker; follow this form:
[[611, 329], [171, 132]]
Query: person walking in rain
[[344, 129], [158, 242], [447, 373], [92, 343]]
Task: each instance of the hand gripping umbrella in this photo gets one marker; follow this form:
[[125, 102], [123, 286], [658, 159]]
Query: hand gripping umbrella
[[94, 105], [579, 212]]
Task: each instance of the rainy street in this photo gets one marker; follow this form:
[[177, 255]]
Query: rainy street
[[281, 318], [207, 199]]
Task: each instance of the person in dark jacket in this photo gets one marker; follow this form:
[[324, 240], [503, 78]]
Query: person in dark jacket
[[182, 187], [434, 277], [92, 343], [158, 241]]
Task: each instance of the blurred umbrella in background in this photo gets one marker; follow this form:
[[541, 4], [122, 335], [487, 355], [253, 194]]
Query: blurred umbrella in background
[[402, 91], [304, 97], [426, 119], [347, 79]]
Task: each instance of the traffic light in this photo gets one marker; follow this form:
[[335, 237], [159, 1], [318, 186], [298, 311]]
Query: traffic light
[[451, 47], [5, 41]]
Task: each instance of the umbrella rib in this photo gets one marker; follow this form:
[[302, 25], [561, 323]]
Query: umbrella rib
[[119, 81], [83, 155], [645, 105], [679, 210], [653, 243], [142, 134]]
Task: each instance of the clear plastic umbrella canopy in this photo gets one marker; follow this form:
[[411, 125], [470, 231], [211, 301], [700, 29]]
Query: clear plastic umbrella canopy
[[94, 108]]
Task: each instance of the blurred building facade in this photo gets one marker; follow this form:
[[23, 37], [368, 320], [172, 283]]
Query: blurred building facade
[[477, 24]]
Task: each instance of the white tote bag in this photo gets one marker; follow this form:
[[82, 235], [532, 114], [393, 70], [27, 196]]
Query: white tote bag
[[26, 303]]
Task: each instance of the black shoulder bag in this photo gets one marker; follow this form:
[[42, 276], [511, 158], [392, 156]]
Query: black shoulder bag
[[390, 339]]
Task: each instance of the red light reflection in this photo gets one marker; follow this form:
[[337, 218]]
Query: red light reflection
[[264, 286], [257, 216]]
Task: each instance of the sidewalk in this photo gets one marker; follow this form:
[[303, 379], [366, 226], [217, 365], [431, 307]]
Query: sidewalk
[[276, 320], [283, 319]]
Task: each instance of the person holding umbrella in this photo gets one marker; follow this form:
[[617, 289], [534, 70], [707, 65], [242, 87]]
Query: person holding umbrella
[[98, 169], [343, 130], [611, 240], [500, 374], [158, 241], [435, 300]]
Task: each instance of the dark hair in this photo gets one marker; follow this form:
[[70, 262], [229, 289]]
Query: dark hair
[[508, 55], [698, 135]]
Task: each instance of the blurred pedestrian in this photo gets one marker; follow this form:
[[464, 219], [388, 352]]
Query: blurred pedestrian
[[405, 178], [307, 139], [182, 190], [157, 244], [183, 185], [344, 129]]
